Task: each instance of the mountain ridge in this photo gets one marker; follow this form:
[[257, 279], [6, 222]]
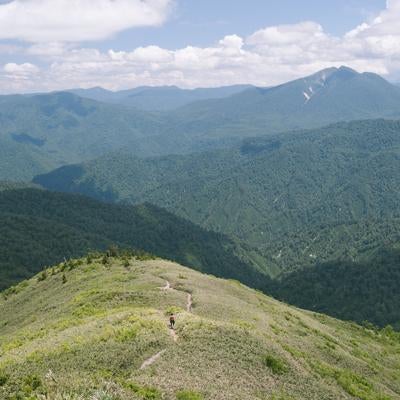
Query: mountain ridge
[[100, 329]]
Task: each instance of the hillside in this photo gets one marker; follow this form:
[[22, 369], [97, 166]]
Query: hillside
[[39, 228], [100, 331], [165, 98], [41, 132], [266, 188], [361, 291]]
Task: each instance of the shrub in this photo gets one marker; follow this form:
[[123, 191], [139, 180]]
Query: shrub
[[276, 365], [3, 379], [126, 263], [146, 393], [32, 383], [105, 260], [42, 276], [113, 251], [64, 279], [188, 395]]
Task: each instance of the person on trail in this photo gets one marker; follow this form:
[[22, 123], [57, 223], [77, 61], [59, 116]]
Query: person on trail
[[172, 321]]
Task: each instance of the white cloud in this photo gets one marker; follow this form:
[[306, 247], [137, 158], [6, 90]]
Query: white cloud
[[24, 69], [267, 57], [77, 20]]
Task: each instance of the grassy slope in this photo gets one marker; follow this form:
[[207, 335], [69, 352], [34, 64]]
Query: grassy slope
[[40, 228], [90, 335]]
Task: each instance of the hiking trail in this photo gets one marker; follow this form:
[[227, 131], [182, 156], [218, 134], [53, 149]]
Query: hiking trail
[[167, 286], [174, 336], [189, 303], [152, 359]]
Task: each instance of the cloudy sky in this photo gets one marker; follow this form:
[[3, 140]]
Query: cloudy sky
[[117, 44]]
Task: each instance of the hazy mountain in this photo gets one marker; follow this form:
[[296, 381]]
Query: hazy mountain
[[331, 95], [164, 98], [39, 133]]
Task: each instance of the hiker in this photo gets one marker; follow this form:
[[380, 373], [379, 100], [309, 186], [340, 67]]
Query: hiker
[[172, 321]]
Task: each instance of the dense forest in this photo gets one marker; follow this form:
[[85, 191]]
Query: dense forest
[[362, 291], [264, 190], [39, 228]]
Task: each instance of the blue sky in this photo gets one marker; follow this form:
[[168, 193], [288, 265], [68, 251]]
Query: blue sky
[[117, 44], [203, 22]]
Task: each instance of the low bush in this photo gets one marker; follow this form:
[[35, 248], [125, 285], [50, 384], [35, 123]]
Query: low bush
[[188, 395], [276, 365]]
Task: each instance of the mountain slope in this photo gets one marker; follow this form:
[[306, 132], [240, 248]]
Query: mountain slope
[[264, 189], [165, 98], [41, 132], [360, 291], [39, 228], [95, 331], [331, 95]]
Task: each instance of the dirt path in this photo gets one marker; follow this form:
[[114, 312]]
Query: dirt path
[[189, 303], [173, 335], [152, 359], [167, 286]]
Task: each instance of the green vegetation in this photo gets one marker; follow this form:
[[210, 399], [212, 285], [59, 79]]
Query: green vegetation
[[266, 188], [188, 395], [39, 133], [42, 132], [275, 365], [305, 199], [39, 228], [367, 291], [103, 334]]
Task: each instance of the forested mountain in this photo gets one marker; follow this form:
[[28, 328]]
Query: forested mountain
[[264, 189], [39, 228], [41, 132], [38, 133], [358, 291], [331, 95], [164, 98], [96, 331]]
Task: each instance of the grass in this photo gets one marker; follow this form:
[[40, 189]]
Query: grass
[[87, 338], [276, 365], [188, 395]]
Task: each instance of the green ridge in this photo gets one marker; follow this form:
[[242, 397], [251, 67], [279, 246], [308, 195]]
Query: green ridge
[[84, 331]]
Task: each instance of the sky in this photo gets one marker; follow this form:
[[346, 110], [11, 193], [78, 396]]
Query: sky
[[118, 44]]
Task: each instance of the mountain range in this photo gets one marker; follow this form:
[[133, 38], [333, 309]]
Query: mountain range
[[164, 98], [265, 188], [41, 132]]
